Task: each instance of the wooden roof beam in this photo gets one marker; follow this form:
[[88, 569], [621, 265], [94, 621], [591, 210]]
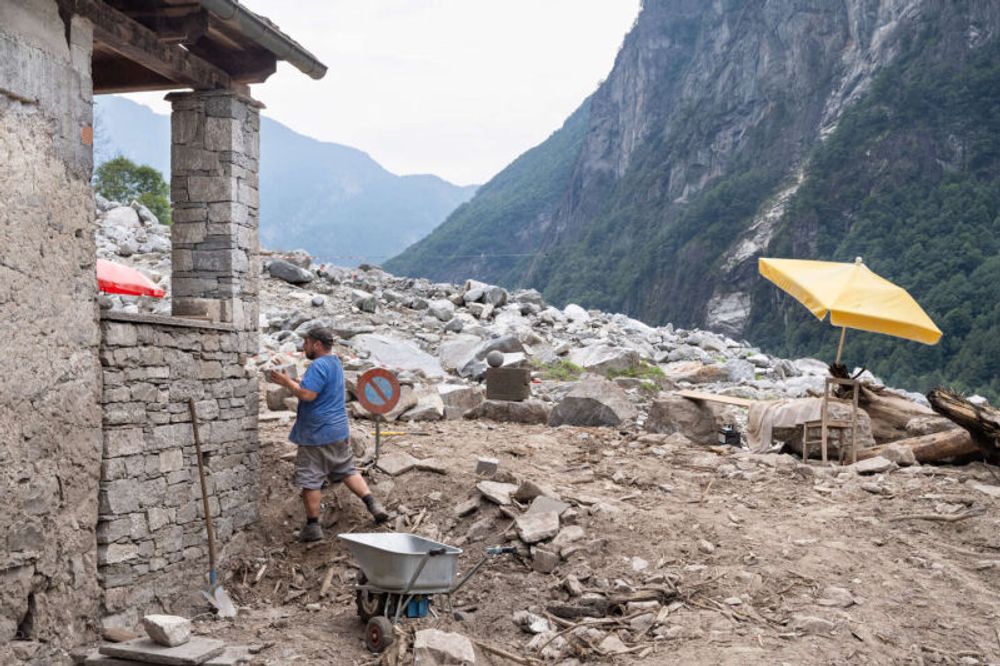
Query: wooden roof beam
[[138, 43]]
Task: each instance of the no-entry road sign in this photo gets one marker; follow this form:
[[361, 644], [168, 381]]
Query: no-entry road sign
[[378, 391]]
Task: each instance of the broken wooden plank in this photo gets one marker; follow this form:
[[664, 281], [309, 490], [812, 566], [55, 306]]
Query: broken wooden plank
[[712, 397]]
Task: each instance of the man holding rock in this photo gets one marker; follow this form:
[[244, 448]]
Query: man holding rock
[[322, 433]]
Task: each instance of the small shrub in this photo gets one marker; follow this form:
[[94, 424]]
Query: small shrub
[[561, 371], [642, 370]]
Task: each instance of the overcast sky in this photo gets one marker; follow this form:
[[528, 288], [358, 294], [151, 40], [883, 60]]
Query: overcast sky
[[457, 88]]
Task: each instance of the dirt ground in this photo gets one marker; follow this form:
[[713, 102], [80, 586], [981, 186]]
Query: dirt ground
[[752, 542]]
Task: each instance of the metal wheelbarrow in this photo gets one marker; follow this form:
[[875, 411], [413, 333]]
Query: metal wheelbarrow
[[399, 574]]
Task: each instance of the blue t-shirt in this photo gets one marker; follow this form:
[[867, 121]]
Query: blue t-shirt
[[324, 420]]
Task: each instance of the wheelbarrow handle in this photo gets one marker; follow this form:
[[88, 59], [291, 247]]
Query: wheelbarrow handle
[[489, 552]]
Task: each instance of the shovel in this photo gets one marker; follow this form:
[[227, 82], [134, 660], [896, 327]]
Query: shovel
[[215, 594]]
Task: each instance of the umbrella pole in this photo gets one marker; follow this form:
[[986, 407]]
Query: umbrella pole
[[840, 347]]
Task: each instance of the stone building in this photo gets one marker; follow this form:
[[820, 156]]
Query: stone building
[[100, 518]]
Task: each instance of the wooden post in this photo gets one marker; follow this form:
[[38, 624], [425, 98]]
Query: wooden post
[[823, 432], [855, 389]]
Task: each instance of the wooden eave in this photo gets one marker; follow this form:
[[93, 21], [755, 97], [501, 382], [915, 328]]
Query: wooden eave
[[167, 45]]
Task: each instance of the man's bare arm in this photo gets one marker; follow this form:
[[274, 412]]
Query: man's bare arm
[[281, 378]]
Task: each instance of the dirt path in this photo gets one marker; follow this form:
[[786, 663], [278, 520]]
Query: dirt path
[[753, 544]]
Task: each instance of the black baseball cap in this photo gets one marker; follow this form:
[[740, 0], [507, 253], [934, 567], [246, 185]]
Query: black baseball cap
[[322, 335]]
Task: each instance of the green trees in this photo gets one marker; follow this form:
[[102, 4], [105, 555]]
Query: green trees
[[121, 179], [909, 181]]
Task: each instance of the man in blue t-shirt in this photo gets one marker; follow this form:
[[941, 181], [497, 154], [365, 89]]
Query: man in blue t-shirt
[[322, 433]]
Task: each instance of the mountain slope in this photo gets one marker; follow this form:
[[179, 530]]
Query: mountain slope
[[507, 211], [709, 145], [334, 201]]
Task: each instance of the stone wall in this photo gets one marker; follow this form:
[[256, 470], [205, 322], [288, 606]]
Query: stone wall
[[50, 418], [151, 532]]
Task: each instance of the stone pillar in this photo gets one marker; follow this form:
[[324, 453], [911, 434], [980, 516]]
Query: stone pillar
[[215, 141]]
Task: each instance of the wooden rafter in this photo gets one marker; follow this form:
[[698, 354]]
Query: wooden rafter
[[134, 41]]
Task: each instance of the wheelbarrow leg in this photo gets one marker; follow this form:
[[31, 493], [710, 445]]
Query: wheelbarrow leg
[[413, 581]]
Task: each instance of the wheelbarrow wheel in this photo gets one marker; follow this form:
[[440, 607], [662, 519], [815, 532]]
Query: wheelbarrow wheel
[[378, 634], [370, 604]]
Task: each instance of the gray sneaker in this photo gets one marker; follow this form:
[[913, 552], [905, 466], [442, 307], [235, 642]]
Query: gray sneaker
[[378, 511], [310, 532]]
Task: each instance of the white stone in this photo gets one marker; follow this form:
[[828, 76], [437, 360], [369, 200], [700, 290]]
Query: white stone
[[168, 630], [432, 647], [574, 312], [531, 623], [533, 527], [876, 465]]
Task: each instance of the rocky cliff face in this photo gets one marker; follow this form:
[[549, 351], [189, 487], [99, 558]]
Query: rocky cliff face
[[698, 144], [701, 96]]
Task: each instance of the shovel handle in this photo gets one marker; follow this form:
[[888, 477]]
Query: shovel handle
[[204, 494]]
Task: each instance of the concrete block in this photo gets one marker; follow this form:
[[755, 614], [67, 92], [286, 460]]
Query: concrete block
[[487, 466]]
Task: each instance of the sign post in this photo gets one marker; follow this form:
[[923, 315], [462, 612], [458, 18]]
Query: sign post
[[378, 392]]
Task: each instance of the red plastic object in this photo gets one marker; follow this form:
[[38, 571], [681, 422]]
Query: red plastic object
[[115, 278]]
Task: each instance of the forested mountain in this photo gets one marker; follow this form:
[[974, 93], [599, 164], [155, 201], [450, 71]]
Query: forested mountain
[[334, 201], [727, 131]]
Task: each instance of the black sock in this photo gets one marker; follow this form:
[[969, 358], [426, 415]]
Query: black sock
[[368, 499], [312, 521]]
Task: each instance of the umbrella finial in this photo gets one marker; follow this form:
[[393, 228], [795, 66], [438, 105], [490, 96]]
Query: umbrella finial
[[858, 260]]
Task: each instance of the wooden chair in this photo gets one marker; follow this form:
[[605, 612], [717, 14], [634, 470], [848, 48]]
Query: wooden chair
[[826, 425]]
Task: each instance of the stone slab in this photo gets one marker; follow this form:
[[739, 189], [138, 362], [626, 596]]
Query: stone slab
[[545, 504], [234, 654], [432, 465], [498, 493], [536, 526], [193, 653], [95, 658], [395, 464]]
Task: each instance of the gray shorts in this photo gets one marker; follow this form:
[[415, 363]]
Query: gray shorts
[[330, 462]]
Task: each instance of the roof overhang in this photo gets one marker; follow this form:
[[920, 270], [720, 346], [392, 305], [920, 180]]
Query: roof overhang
[[177, 44]]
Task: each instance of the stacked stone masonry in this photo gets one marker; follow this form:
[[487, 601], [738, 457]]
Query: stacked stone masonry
[[151, 532], [215, 139], [50, 417]]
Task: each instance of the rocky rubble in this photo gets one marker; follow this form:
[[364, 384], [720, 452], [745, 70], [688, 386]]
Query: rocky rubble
[[590, 368]]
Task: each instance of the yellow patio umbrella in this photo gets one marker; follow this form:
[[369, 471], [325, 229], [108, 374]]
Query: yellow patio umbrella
[[853, 296]]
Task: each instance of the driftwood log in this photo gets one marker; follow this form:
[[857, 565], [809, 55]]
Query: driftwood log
[[982, 422], [889, 413], [935, 447]]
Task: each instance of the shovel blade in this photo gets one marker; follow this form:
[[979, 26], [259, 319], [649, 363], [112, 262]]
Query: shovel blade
[[218, 597]]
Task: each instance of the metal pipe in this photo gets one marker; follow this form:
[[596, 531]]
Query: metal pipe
[[255, 28]]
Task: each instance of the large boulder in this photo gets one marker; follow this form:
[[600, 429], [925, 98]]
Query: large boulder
[[531, 412], [289, 272], [671, 413], [594, 401], [459, 398], [397, 354], [429, 406], [466, 354], [441, 309], [604, 358], [455, 352], [364, 301], [575, 313]]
